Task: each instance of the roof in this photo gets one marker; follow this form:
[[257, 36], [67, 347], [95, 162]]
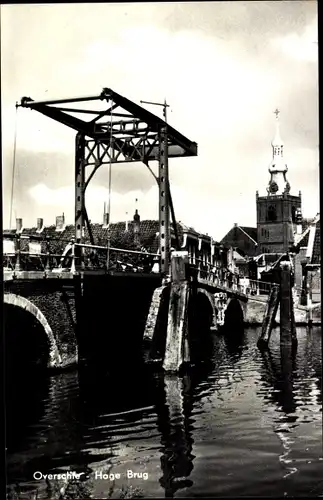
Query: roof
[[251, 232], [270, 258], [307, 221], [238, 257], [316, 255], [192, 231], [119, 237], [304, 240], [283, 257]]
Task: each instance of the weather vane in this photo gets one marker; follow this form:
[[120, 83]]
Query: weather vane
[[276, 112]]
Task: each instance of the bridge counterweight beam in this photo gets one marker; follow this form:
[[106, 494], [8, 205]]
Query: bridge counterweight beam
[[18, 250], [164, 229], [79, 196]]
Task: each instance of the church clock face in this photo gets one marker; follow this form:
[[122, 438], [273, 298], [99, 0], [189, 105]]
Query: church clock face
[[273, 188]]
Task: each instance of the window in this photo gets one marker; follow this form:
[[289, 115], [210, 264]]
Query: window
[[8, 246], [294, 214], [34, 247], [272, 214]]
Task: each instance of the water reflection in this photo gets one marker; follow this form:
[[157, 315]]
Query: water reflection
[[235, 343], [53, 436], [177, 398], [174, 423], [289, 374], [225, 414], [29, 390], [279, 375], [278, 370]]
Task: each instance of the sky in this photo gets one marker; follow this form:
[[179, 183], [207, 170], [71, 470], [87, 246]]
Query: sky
[[223, 67]]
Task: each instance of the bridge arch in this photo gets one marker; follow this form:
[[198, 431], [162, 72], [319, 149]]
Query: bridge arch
[[12, 299], [234, 315], [211, 300], [200, 318]]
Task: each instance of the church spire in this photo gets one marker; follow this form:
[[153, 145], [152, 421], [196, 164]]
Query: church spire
[[277, 141], [278, 183]]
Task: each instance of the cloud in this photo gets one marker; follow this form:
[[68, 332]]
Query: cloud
[[43, 195], [302, 47], [62, 199], [223, 71], [203, 213]]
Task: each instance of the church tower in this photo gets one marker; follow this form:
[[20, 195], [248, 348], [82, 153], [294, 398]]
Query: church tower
[[279, 213]]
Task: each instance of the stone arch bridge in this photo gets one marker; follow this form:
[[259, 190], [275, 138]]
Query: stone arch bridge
[[104, 316]]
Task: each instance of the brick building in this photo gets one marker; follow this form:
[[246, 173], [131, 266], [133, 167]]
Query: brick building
[[279, 217], [243, 239], [307, 261], [279, 213], [136, 234]]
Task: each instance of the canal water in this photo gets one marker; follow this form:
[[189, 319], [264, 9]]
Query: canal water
[[245, 423]]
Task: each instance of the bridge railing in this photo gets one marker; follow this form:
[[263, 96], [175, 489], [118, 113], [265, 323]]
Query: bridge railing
[[22, 255], [94, 257], [225, 278], [214, 275], [26, 261], [258, 287], [83, 256]]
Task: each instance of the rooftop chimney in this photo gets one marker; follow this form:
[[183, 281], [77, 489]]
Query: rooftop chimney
[[40, 225], [136, 227], [60, 222], [18, 225], [106, 219], [106, 216], [235, 224]]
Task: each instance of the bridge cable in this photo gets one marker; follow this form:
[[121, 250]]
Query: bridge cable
[[109, 188], [13, 165]]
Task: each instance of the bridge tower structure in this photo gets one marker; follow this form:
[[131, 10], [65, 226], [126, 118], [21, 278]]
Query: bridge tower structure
[[118, 131]]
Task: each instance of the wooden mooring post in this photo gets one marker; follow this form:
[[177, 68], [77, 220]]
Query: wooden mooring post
[[177, 347], [309, 304], [287, 315], [270, 315], [280, 295]]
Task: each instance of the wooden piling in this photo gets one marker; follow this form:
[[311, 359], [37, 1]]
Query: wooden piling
[[310, 316], [309, 305], [177, 350], [270, 315], [287, 317], [288, 354], [187, 353], [154, 310], [293, 322]]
